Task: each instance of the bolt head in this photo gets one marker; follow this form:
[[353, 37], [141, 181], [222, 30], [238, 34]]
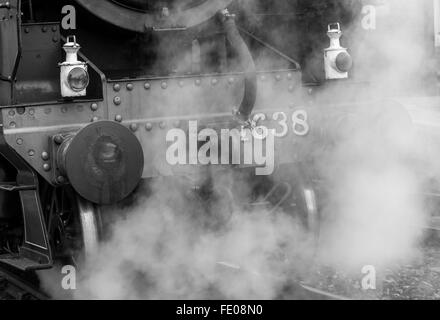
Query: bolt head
[[129, 87], [214, 82], [231, 80], [61, 179], [45, 156], [162, 125], [198, 82], [94, 107], [117, 101], [133, 127], [59, 139], [164, 85], [46, 167], [118, 118], [176, 124], [95, 119], [117, 87], [147, 86], [149, 126]]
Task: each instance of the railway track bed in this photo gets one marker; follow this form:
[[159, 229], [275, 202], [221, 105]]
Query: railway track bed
[[14, 286]]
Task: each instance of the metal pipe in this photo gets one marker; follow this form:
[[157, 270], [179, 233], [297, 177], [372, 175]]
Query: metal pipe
[[246, 60]]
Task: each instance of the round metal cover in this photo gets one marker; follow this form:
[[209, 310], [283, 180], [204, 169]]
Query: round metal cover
[[134, 15], [104, 162]]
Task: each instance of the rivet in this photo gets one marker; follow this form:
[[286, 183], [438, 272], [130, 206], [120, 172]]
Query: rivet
[[164, 85], [31, 153], [214, 82], [45, 156], [19, 141], [61, 179], [21, 110], [94, 106], [278, 77], [310, 91], [12, 125], [149, 126], [117, 101], [44, 29], [64, 109], [289, 76], [263, 78], [176, 124], [118, 118], [117, 87], [162, 125], [54, 29], [95, 119], [181, 83], [46, 167], [26, 30], [129, 87], [11, 113], [147, 86], [198, 82], [291, 88], [31, 111], [55, 39], [231, 80], [133, 127], [47, 110], [59, 139]]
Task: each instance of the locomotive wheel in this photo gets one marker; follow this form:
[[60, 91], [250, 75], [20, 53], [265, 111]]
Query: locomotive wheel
[[74, 225]]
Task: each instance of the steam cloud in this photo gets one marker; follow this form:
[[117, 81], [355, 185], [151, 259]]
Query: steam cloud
[[168, 245]]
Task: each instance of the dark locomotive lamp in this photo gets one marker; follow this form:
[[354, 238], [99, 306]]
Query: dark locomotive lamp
[[337, 60], [103, 162], [74, 77]]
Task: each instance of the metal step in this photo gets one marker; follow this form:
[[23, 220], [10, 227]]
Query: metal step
[[22, 263]]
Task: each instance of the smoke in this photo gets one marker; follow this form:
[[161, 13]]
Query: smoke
[[174, 244], [167, 248]]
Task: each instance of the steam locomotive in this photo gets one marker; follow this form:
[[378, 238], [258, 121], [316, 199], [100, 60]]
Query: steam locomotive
[[90, 89]]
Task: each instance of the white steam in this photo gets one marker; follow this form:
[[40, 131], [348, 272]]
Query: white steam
[[165, 247]]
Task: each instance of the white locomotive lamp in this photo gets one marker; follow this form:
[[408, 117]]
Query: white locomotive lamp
[[337, 60], [74, 77]]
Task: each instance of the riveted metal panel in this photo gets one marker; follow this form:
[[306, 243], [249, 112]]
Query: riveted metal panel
[[151, 107], [29, 129], [38, 74]]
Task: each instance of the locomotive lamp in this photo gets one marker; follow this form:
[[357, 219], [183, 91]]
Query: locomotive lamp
[[74, 77], [337, 60]]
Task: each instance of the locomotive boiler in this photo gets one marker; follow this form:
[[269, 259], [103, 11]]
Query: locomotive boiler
[[89, 91]]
